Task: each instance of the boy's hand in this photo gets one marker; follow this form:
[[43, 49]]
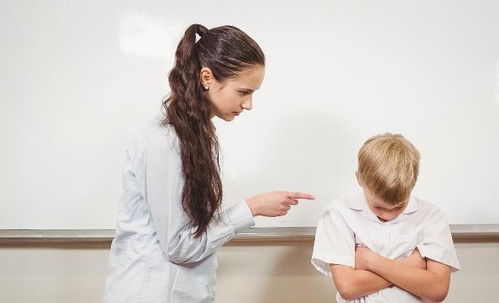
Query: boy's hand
[[414, 260], [363, 257]]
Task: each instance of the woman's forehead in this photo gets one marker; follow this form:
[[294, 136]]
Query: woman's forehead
[[250, 78]]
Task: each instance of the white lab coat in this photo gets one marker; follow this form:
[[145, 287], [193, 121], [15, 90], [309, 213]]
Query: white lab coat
[[154, 256]]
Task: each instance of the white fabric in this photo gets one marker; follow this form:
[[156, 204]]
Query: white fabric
[[348, 222], [154, 256]]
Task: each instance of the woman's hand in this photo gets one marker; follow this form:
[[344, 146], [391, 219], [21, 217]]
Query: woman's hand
[[274, 204]]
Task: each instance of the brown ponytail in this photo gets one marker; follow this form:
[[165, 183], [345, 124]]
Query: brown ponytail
[[226, 50]]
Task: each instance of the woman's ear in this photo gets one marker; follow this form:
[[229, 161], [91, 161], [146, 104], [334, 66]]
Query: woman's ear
[[206, 77]]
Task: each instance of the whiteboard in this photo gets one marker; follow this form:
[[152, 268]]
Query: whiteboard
[[79, 78]]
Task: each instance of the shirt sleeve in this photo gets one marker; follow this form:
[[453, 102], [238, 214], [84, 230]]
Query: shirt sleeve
[[437, 241], [334, 242], [163, 190]]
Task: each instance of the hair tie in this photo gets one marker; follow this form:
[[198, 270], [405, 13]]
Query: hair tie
[[201, 30]]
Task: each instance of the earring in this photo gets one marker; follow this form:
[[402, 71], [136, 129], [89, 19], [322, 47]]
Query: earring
[[206, 87]]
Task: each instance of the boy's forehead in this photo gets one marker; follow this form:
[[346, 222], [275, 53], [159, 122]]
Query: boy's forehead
[[380, 202]]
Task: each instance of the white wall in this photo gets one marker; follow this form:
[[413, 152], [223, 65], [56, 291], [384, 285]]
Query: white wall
[[79, 78], [256, 273]]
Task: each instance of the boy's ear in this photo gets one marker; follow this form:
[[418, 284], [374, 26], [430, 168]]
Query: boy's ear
[[359, 180]]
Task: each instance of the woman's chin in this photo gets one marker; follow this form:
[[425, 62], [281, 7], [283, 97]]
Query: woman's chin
[[228, 117]]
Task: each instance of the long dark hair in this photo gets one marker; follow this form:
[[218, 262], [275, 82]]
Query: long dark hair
[[227, 51]]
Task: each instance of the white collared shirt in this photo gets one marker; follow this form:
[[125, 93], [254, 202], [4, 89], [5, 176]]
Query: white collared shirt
[[348, 222], [154, 256]]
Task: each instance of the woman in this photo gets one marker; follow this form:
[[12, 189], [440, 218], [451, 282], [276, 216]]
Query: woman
[[170, 222]]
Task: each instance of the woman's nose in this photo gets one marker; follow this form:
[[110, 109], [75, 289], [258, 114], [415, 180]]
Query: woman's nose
[[247, 104]]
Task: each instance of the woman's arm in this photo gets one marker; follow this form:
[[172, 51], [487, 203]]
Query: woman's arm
[[353, 283], [184, 248], [162, 193], [163, 189], [431, 283]]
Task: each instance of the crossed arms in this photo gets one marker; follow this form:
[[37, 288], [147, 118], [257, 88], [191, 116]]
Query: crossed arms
[[424, 278]]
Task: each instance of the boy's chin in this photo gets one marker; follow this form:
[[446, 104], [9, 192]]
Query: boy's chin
[[384, 220]]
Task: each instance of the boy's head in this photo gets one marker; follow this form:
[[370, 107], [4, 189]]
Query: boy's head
[[388, 170]]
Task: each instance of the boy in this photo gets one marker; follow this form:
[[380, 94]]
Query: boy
[[385, 245]]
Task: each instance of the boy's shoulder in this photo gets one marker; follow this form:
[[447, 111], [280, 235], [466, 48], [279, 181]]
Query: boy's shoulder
[[345, 205], [425, 215], [342, 203], [428, 209]]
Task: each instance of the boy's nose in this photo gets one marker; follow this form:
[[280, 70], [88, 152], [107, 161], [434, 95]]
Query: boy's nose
[[384, 217]]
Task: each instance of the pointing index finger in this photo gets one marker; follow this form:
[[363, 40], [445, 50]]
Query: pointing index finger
[[300, 195]]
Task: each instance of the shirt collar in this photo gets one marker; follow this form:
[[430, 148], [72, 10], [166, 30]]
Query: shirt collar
[[412, 206], [359, 203]]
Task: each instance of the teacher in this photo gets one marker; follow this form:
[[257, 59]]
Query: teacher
[[170, 221]]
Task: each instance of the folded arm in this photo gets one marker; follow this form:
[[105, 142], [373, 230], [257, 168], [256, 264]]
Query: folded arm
[[431, 283], [353, 283], [357, 282]]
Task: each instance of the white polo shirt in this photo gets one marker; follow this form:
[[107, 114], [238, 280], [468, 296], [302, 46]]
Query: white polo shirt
[[348, 222]]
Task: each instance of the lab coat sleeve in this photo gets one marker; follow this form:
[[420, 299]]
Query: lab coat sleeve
[[163, 190]]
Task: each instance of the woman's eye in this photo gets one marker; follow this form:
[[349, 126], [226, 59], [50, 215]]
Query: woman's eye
[[244, 92]]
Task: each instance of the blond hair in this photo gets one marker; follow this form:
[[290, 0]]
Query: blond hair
[[389, 167]]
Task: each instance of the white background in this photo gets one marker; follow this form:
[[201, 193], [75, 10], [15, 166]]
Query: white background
[[79, 78]]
